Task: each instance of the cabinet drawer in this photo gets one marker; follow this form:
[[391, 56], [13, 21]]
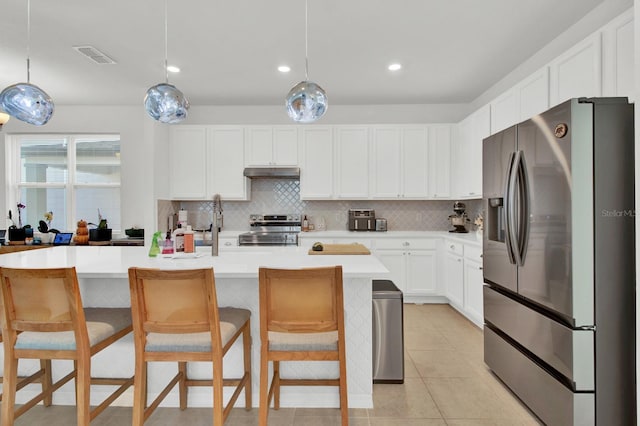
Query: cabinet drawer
[[454, 247], [405, 244], [473, 252]]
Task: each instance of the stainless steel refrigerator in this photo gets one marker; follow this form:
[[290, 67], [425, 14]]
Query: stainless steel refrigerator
[[559, 262]]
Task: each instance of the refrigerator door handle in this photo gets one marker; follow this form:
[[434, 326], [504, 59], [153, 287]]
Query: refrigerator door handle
[[523, 207], [511, 209]]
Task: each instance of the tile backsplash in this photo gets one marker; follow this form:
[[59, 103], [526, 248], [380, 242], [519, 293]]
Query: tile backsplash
[[283, 196]]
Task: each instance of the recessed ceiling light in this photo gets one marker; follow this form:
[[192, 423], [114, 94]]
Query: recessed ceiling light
[[284, 68], [173, 68], [394, 67]]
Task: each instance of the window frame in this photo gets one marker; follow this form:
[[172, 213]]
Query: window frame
[[70, 187]]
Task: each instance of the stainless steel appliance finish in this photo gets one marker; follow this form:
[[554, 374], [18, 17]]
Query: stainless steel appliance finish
[[381, 224], [388, 338], [362, 220], [272, 230], [559, 261], [272, 172]]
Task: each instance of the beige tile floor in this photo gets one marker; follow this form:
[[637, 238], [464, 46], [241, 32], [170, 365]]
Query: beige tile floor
[[446, 383]]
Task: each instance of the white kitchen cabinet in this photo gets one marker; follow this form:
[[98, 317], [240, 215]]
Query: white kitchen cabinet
[[617, 57], [533, 95], [187, 162], [577, 72], [505, 110], [412, 263], [439, 161], [473, 282], [352, 162], [316, 163], [399, 162], [207, 160], [454, 274], [271, 146], [468, 153], [225, 163]]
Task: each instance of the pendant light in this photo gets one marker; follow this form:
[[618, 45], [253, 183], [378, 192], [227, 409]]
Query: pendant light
[[306, 101], [26, 101], [164, 102]]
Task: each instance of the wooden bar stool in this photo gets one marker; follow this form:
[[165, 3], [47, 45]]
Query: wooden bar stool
[[43, 318], [301, 319], [176, 318], [42, 376]]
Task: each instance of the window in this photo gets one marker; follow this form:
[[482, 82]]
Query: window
[[74, 176]]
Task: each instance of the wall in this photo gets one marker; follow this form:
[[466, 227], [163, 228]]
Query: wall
[[283, 196]]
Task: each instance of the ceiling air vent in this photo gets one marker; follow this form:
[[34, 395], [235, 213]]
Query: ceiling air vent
[[94, 54]]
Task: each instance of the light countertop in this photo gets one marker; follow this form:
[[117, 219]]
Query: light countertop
[[471, 237], [235, 262]]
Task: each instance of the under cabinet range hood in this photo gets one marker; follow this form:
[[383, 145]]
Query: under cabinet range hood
[[272, 172]]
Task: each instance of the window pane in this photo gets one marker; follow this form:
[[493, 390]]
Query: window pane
[[107, 200], [43, 160], [98, 160], [39, 201]]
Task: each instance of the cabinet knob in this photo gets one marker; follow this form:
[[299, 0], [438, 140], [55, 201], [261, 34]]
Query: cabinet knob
[[459, 260], [452, 246], [480, 268], [228, 243], [405, 244]]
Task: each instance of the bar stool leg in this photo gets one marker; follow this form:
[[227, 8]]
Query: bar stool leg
[[182, 368], [246, 341], [276, 385], [9, 384], [83, 384], [218, 407], [264, 390], [139, 392], [45, 364]]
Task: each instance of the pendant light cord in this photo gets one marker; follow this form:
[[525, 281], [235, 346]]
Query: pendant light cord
[[306, 40], [166, 43], [28, 41]]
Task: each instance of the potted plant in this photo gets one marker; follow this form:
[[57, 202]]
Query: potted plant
[[102, 232]]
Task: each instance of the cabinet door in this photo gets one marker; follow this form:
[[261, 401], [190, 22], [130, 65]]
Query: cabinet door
[[259, 146], [481, 129], [462, 158], [454, 280], [439, 162], [225, 162], [187, 162], [386, 147], [473, 291], [394, 261], [617, 57], [534, 95], [505, 111], [352, 160], [577, 73], [415, 163], [316, 163], [285, 146], [421, 272]]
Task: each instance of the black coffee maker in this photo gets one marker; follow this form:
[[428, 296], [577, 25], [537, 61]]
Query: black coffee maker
[[459, 219]]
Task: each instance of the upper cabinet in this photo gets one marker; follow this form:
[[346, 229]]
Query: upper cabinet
[[207, 160], [225, 163], [467, 172], [316, 163], [187, 162], [352, 162], [399, 162], [271, 146], [578, 72], [439, 161], [617, 57]]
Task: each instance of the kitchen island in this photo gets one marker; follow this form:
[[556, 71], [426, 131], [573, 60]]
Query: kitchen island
[[102, 274]]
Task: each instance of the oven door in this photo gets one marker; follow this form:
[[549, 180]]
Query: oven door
[[268, 239]]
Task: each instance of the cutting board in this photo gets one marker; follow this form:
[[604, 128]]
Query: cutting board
[[341, 249]]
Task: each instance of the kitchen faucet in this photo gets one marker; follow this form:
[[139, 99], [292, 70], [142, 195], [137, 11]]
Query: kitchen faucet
[[216, 224]]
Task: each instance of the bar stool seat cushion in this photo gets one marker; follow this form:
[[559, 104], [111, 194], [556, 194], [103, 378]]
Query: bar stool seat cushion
[[327, 341], [231, 320], [101, 324]]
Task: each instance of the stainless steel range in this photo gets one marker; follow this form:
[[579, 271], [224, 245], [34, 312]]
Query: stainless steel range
[[272, 230]]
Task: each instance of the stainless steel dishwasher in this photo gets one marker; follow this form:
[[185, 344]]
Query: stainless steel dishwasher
[[388, 335]]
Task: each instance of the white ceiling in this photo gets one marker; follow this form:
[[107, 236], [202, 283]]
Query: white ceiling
[[451, 50]]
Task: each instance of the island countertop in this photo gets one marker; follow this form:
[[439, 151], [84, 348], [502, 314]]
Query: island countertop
[[236, 262]]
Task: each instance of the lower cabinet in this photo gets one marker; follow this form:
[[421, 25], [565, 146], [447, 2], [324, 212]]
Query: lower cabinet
[[454, 279], [412, 264], [473, 282], [463, 279]]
